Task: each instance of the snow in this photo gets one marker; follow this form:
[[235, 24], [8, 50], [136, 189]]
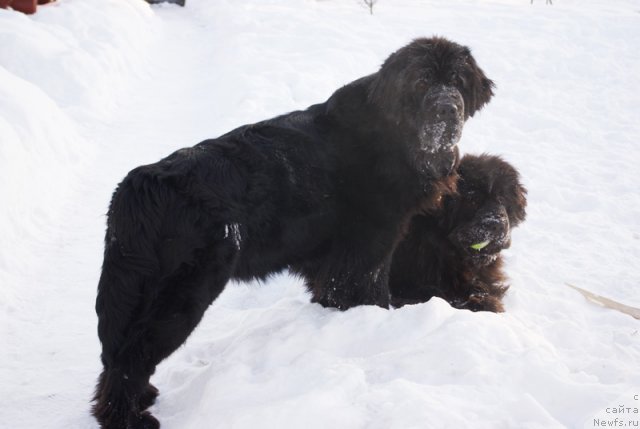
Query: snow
[[92, 88]]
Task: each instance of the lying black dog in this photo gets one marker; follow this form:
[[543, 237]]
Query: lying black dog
[[327, 193], [454, 253]]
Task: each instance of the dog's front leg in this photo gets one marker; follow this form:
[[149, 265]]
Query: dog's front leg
[[348, 279]]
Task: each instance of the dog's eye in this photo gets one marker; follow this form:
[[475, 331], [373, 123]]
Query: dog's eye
[[474, 197], [421, 84], [457, 79], [426, 76]]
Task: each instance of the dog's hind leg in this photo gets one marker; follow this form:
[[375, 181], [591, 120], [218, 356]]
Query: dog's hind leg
[[183, 300], [165, 316], [122, 307]]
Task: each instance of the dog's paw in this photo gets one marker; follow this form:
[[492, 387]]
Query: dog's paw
[[148, 397], [480, 302], [143, 421]]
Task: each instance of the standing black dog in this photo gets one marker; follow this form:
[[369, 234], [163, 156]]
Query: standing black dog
[[327, 192]]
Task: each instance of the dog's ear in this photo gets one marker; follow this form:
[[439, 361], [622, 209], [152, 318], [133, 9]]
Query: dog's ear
[[509, 190], [478, 87], [516, 208], [388, 82]]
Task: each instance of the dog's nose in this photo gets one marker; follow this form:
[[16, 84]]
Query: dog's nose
[[493, 225], [447, 110]]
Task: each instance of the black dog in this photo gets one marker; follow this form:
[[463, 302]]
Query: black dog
[[454, 253], [326, 193]]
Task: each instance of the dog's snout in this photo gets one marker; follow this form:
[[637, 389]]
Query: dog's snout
[[495, 228], [446, 102], [495, 219]]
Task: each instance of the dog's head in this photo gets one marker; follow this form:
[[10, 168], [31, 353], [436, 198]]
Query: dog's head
[[490, 202], [429, 88]]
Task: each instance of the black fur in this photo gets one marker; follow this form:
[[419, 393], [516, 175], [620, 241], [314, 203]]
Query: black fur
[[326, 193], [436, 258]]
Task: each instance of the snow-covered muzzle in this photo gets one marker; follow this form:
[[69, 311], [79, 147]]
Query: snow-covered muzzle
[[481, 239], [443, 106], [441, 118]]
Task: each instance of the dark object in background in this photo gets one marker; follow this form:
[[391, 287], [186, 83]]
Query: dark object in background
[[178, 2], [454, 254], [24, 6], [327, 193]]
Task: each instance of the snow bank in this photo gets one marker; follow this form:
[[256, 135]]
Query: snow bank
[[77, 52], [57, 68], [266, 357], [40, 149]]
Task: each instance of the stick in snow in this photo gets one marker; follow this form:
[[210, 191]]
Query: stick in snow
[[608, 303]]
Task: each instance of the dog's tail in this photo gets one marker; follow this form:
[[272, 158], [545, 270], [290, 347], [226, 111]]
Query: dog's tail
[[131, 262]]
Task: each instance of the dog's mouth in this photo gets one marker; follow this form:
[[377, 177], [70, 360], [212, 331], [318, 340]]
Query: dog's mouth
[[438, 164], [481, 240], [440, 136], [483, 253], [479, 246], [482, 260]]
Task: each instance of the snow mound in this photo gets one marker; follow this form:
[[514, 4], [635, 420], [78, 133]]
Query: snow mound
[[57, 68], [76, 51]]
